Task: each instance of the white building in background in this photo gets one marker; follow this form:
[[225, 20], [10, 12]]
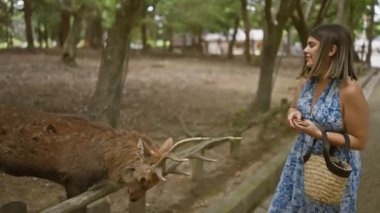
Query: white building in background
[[217, 43]]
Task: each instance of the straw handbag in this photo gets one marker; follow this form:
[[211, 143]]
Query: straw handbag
[[325, 177]]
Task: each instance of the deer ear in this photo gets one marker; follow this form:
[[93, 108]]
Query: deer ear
[[166, 145], [146, 149]]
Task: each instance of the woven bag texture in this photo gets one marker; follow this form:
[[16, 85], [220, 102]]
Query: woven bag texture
[[320, 183]]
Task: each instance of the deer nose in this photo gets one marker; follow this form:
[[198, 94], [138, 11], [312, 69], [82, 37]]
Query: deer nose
[[133, 199]]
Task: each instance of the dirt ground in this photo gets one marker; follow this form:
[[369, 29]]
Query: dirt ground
[[163, 97]]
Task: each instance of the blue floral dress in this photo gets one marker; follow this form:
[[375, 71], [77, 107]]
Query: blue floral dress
[[326, 114]]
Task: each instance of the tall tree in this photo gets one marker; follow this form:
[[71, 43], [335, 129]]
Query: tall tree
[[64, 27], [28, 24], [70, 46], [232, 41], [6, 13], [105, 103], [340, 16], [247, 29], [370, 31], [94, 29], [273, 29], [144, 28], [303, 21]]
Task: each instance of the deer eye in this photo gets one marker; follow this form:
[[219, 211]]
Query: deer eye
[[130, 169], [142, 180]]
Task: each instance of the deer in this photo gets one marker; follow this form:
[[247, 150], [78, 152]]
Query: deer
[[78, 154]]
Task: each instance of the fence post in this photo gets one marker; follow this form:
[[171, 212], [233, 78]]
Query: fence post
[[235, 149], [197, 167]]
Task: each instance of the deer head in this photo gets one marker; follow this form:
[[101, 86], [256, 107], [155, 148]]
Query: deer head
[[141, 178], [154, 166]]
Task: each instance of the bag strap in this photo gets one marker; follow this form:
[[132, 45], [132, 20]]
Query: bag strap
[[308, 153], [332, 149], [336, 167], [328, 150]]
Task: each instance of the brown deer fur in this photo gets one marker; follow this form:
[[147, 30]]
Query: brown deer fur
[[74, 152]]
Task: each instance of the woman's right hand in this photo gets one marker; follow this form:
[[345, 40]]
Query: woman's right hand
[[293, 113]]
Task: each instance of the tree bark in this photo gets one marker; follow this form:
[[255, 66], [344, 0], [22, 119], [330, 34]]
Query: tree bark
[[299, 19], [271, 45], [247, 46], [144, 30], [322, 12], [273, 30], [28, 24], [105, 103], [70, 47], [299, 22], [230, 54], [64, 28], [340, 16], [369, 32], [94, 30], [9, 28]]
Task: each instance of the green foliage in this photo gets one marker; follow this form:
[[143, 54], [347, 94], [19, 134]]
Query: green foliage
[[5, 19], [177, 16], [198, 15], [47, 12]]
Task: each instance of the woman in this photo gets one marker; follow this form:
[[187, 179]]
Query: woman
[[327, 98]]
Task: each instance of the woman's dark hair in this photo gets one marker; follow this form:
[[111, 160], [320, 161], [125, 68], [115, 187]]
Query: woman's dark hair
[[341, 66]]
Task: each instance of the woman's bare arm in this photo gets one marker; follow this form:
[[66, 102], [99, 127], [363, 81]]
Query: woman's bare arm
[[355, 116]]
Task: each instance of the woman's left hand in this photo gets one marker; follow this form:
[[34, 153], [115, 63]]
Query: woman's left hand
[[308, 127]]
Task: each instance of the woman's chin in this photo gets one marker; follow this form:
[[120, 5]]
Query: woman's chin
[[309, 65]]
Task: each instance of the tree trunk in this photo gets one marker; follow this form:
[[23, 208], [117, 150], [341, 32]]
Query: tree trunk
[[144, 37], [340, 16], [64, 28], [245, 17], [170, 35], [144, 30], [299, 22], [199, 42], [28, 24], [322, 12], [105, 103], [299, 19], [38, 31], [273, 30], [271, 45], [369, 32], [231, 44], [94, 30], [9, 38], [46, 35], [9, 29], [70, 47]]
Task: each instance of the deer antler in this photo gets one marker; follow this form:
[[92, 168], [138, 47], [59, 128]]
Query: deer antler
[[178, 157]]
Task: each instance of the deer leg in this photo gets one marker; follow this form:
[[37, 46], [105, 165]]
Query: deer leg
[[73, 190], [14, 207]]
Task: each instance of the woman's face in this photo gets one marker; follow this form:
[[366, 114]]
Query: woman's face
[[311, 51]]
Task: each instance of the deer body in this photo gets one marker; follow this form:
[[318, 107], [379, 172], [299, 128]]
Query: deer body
[[77, 153], [64, 149]]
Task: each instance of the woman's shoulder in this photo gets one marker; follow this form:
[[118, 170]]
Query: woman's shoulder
[[302, 82], [350, 87]]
